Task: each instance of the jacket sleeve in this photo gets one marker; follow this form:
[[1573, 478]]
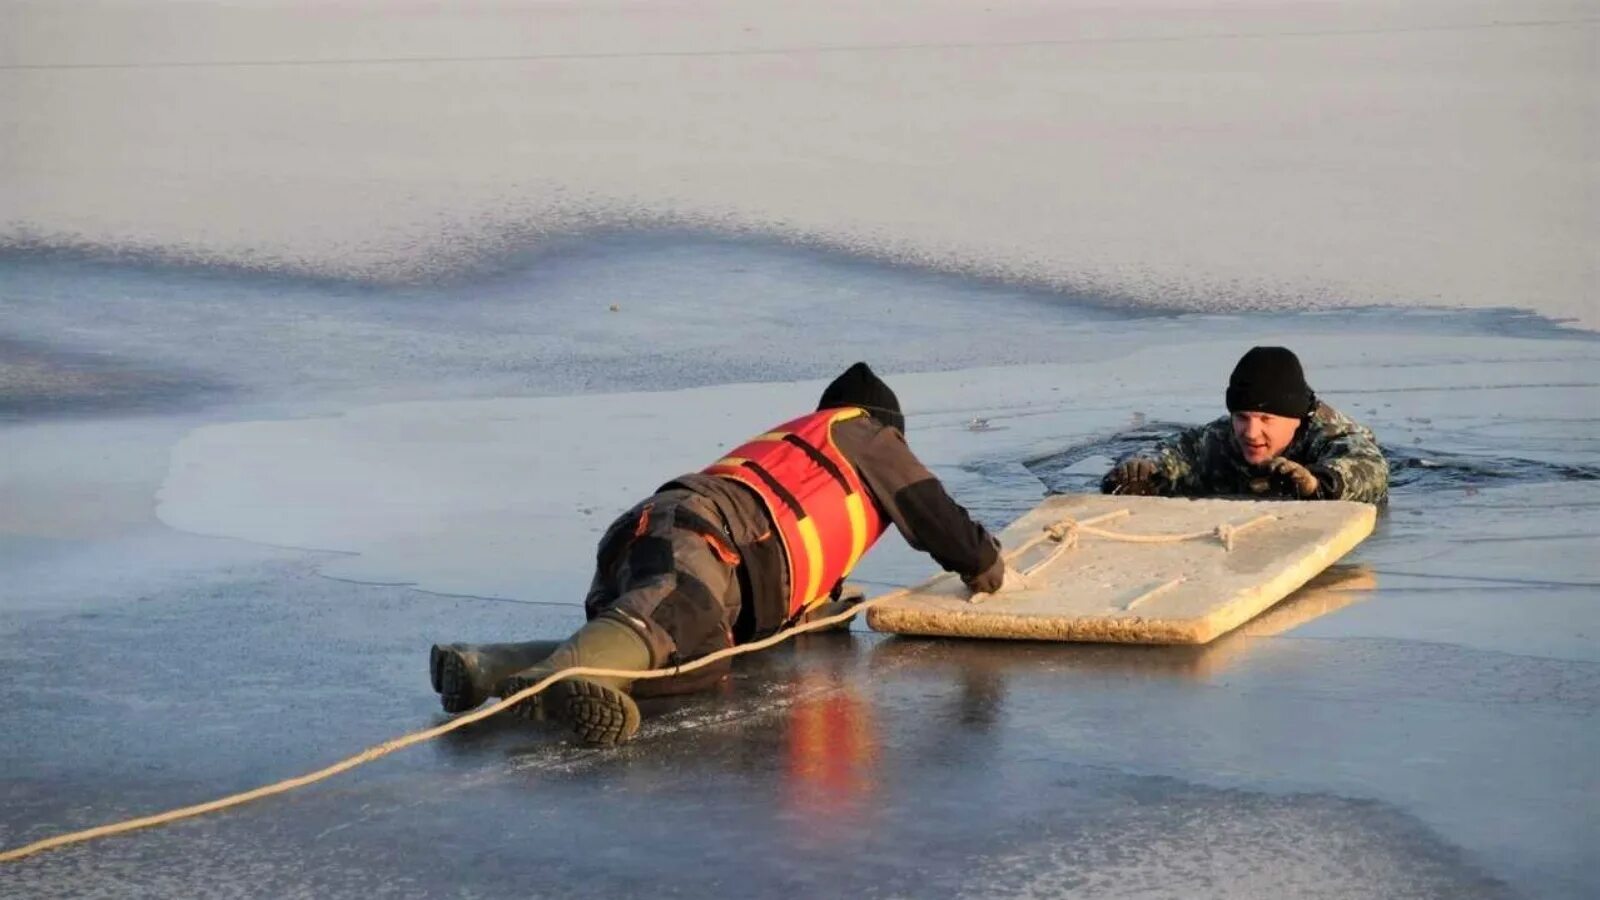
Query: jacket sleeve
[[918, 505], [1349, 464]]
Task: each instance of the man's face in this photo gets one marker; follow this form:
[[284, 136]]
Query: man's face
[[1262, 436]]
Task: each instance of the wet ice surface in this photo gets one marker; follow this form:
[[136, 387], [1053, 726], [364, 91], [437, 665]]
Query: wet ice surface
[[1420, 723]]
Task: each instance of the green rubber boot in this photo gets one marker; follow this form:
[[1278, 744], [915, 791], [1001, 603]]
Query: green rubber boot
[[465, 675], [598, 710]]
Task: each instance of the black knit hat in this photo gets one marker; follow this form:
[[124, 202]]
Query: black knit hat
[[860, 386], [1270, 380]]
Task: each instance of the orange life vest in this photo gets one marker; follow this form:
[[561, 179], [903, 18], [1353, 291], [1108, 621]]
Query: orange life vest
[[823, 513]]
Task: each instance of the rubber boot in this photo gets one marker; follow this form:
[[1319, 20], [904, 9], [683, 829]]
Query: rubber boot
[[465, 675], [598, 710], [702, 679]]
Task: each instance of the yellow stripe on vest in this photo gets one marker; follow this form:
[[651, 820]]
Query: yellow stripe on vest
[[858, 531], [808, 534]]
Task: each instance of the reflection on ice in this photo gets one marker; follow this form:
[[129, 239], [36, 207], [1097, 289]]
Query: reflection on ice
[[986, 662]]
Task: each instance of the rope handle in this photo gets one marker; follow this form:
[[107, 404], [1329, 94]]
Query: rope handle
[[1067, 532]]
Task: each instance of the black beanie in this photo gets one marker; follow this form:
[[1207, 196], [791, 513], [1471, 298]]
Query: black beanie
[[1270, 380], [859, 386]]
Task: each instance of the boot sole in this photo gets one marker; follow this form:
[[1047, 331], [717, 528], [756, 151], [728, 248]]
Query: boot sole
[[597, 714], [452, 681]]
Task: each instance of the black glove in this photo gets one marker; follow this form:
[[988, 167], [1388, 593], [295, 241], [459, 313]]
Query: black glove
[[989, 580], [1131, 476]]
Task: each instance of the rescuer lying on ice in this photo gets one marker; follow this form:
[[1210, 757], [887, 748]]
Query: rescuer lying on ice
[[731, 554]]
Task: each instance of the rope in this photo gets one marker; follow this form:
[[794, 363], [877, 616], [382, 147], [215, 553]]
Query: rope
[[417, 737], [1068, 530], [1050, 533], [1065, 532]]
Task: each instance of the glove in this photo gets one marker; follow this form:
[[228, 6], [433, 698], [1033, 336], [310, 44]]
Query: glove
[[988, 582], [1132, 476], [1299, 479], [1010, 581]]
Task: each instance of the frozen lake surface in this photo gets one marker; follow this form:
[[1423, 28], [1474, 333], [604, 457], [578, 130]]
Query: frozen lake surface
[[236, 508]]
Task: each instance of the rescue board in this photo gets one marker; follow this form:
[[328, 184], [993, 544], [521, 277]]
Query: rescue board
[[1142, 570]]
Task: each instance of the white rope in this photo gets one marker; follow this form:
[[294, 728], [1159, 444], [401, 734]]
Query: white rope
[[1065, 533], [417, 737]]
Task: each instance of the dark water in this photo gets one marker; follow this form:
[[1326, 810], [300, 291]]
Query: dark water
[[1412, 470]]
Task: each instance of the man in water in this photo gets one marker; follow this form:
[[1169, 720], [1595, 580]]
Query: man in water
[[1278, 441], [758, 540]]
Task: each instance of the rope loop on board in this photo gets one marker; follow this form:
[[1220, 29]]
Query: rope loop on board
[[1068, 531]]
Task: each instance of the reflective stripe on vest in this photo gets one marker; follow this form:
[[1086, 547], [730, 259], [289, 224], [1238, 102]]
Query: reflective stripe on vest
[[815, 497]]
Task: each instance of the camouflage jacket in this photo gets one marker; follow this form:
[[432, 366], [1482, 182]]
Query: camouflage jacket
[[1206, 462]]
